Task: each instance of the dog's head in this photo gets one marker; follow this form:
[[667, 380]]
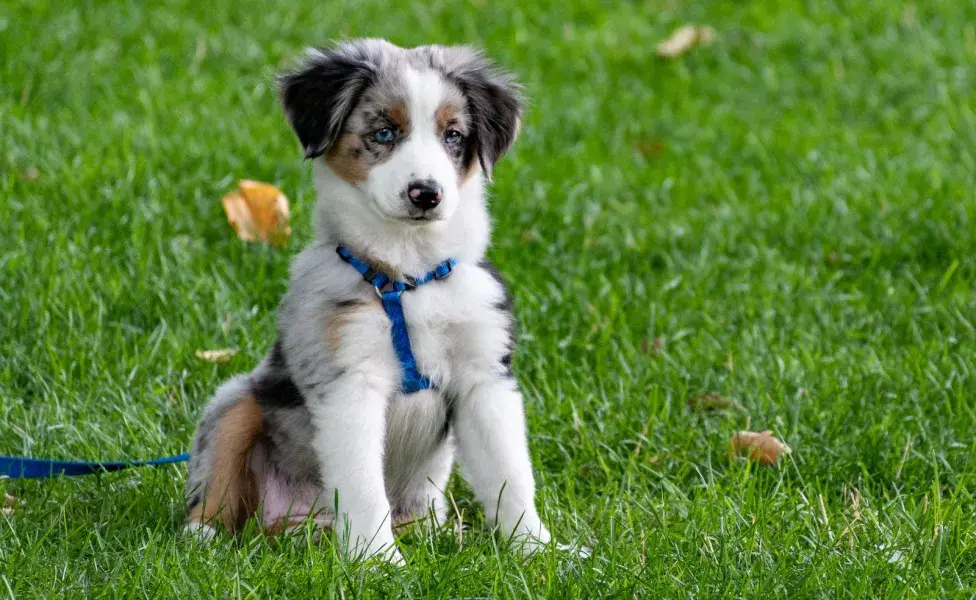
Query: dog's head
[[406, 128]]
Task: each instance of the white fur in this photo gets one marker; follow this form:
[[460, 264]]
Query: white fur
[[200, 531], [374, 443], [421, 157]]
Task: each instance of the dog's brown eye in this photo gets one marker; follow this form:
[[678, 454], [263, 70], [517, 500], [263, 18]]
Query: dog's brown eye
[[452, 136]]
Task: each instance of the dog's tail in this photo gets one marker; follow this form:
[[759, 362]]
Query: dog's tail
[[222, 486]]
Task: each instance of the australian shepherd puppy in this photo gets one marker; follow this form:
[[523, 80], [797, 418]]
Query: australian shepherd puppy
[[403, 143]]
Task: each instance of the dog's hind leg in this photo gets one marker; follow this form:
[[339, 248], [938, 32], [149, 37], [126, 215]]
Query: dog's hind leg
[[220, 486]]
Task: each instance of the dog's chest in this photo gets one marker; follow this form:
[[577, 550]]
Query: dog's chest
[[455, 326]]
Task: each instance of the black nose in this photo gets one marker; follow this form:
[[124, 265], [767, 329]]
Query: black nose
[[425, 194]]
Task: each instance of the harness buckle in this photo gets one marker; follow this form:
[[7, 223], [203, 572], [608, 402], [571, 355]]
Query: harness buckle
[[389, 287], [443, 270]]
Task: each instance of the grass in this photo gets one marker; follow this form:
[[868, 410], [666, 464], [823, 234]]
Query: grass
[[785, 218]]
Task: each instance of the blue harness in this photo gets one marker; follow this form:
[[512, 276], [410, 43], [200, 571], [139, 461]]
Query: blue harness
[[413, 380]]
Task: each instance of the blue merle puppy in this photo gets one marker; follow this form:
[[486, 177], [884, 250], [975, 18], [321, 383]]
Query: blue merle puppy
[[393, 353]]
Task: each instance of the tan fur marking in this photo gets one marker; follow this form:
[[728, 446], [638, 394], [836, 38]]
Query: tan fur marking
[[336, 321], [398, 114], [451, 111], [348, 159], [447, 111], [231, 494], [333, 329]]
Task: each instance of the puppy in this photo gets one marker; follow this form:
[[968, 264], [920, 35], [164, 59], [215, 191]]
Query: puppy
[[338, 423]]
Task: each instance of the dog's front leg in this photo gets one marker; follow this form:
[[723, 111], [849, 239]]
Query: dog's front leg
[[350, 428], [490, 426]]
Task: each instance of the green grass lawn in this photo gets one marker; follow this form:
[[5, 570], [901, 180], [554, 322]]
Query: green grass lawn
[[786, 218]]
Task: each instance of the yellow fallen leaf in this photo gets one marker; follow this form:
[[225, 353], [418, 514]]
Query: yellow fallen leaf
[[258, 212], [216, 356], [760, 446], [684, 39], [239, 216]]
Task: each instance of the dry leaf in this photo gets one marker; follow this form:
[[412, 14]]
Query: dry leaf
[[216, 356], [684, 39], [707, 402], [258, 212], [760, 446], [652, 148], [9, 501]]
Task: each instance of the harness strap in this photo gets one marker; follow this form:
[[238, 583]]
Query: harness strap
[[16, 467], [412, 379], [373, 277]]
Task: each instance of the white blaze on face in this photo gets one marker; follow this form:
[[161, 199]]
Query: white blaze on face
[[422, 156]]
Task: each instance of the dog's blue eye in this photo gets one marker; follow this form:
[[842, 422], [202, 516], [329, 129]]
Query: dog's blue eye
[[452, 136], [383, 136]]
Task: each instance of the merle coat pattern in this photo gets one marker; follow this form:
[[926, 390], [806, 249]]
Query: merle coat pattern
[[403, 142]]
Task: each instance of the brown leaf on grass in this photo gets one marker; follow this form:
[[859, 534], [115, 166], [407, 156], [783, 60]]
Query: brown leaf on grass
[[31, 174], [651, 148], [709, 402], [258, 212], [9, 501], [684, 39], [223, 355], [760, 446]]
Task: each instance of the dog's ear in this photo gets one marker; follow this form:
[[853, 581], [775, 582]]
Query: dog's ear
[[319, 95], [494, 103]]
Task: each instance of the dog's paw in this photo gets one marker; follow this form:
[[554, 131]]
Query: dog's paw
[[376, 550], [576, 550], [390, 555], [200, 531], [529, 545]]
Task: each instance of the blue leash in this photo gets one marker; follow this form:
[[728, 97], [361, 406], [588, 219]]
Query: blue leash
[[413, 380], [16, 467]]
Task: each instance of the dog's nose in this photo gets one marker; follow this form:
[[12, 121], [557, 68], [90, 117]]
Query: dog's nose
[[425, 194]]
